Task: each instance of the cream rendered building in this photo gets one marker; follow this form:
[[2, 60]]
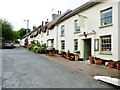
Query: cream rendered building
[[91, 28]]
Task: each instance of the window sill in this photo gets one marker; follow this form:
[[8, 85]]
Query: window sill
[[62, 35], [106, 26], [103, 53], [76, 32]]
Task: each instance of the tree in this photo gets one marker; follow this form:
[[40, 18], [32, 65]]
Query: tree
[[16, 35], [7, 32], [22, 32]]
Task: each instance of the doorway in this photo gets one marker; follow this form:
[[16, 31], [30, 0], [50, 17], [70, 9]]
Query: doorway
[[87, 48]]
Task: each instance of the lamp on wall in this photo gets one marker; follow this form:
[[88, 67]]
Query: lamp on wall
[[85, 34]]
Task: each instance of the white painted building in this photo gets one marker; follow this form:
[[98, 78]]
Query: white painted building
[[93, 28]]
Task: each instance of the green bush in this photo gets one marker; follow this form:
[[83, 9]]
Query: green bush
[[118, 62], [97, 58], [110, 60], [77, 52], [40, 50]]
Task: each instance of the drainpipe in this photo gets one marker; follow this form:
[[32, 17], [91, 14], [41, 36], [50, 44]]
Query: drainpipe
[[57, 38]]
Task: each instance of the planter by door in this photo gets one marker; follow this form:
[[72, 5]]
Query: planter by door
[[76, 57], [91, 58]]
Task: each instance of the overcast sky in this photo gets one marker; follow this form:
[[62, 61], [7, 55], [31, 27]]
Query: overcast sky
[[36, 11]]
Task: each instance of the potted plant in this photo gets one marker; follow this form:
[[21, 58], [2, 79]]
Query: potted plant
[[111, 63], [98, 60], [91, 58], [67, 54], [76, 55], [118, 64]]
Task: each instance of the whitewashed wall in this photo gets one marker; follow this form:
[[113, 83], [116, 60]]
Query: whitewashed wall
[[119, 30], [92, 23]]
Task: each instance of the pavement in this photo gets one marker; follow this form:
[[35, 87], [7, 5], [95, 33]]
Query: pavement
[[88, 69]]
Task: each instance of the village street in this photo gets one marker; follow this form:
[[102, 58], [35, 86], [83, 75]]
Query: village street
[[22, 68]]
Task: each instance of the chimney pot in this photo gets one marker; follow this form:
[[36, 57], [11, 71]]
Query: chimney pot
[[58, 12]]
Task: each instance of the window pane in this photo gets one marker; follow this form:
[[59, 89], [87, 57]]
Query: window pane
[[106, 17], [106, 43]]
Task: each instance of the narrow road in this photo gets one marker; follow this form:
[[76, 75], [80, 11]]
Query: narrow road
[[22, 68]]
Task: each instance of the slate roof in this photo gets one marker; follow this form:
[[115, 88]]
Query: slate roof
[[71, 13]]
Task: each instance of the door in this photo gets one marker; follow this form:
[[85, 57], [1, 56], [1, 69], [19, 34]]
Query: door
[[87, 48]]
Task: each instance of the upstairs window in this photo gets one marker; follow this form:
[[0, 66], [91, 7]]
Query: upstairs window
[[77, 27], [106, 17], [62, 31], [47, 32]]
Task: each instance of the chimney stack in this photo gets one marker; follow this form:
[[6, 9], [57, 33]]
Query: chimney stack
[[60, 12], [42, 23]]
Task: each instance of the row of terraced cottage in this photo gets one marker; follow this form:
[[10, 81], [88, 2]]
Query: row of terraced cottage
[[93, 28]]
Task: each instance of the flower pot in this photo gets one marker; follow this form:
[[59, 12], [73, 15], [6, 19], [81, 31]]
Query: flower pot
[[111, 64], [118, 66], [91, 58], [67, 55], [76, 57], [98, 62]]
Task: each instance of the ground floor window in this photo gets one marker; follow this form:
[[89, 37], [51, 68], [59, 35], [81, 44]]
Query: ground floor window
[[52, 43], [75, 44], [106, 44], [63, 45]]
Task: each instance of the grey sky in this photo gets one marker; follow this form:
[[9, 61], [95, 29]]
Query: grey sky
[[36, 11]]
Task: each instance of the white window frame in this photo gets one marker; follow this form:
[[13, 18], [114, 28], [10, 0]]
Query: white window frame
[[63, 45], [106, 17], [106, 44], [76, 25], [62, 30], [75, 44]]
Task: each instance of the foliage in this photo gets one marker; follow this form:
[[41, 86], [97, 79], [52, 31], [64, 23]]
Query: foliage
[[40, 50], [35, 46], [110, 60], [23, 32], [7, 30], [16, 35], [77, 52], [97, 58], [118, 62]]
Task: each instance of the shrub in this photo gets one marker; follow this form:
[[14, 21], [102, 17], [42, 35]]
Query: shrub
[[77, 52], [118, 62], [40, 50], [97, 58], [110, 60]]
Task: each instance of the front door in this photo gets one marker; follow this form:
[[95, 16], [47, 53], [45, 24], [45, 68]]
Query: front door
[[87, 48]]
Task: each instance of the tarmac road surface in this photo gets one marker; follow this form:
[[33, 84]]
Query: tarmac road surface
[[22, 68]]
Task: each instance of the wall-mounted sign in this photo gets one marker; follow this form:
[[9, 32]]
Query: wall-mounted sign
[[96, 45]]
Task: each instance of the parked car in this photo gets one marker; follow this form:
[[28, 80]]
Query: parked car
[[7, 44]]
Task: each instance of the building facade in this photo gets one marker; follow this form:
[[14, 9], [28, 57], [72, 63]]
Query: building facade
[[93, 28]]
